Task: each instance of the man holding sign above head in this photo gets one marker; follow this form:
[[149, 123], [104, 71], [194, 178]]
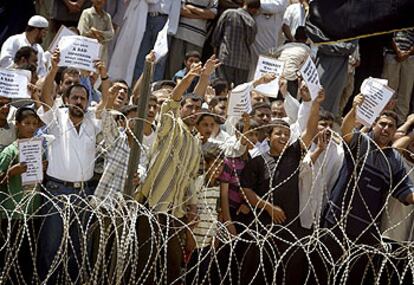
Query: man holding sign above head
[[71, 159], [36, 30], [372, 172]]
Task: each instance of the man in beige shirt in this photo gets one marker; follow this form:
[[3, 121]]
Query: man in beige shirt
[[96, 23]]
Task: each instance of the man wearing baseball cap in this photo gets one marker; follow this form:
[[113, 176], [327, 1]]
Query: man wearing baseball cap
[[33, 36]]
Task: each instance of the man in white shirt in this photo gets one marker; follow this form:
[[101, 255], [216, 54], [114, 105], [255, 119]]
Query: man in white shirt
[[319, 171], [71, 159], [294, 17], [36, 30], [269, 25]]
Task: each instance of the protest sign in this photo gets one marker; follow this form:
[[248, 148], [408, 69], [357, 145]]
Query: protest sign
[[269, 65], [13, 83], [376, 96], [311, 77], [63, 31], [240, 101], [161, 44], [79, 52], [30, 153]]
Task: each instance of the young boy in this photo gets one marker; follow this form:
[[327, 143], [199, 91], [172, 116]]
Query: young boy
[[18, 202], [270, 182], [201, 239], [191, 57], [232, 202], [96, 23]]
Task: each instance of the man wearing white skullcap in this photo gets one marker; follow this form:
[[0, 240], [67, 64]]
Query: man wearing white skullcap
[[36, 30]]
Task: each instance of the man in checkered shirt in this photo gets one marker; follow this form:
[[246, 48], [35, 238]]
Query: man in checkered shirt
[[232, 40]]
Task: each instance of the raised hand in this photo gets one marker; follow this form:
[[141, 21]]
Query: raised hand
[[55, 58], [210, 66], [304, 92], [358, 100], [150, 57], [101, 68], [283, 87], [321, 96]]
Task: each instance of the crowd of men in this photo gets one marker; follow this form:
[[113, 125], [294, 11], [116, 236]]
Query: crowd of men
[[298, 191]]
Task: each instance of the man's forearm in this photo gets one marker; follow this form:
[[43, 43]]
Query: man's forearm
[[181, 88]]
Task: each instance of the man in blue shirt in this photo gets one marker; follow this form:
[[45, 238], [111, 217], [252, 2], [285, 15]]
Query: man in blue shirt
[[371, 172]]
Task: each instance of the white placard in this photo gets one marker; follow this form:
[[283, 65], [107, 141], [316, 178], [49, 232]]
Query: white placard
[[63, 31], [79, 52], [311, 77], [13, 83], [269, 65], [376, 96], [30, 152], [240, 101], [161, 44]]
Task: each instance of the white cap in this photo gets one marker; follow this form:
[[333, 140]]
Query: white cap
[[38, 21]]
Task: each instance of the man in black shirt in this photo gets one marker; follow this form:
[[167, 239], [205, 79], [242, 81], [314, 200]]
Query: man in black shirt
[[270, 184]]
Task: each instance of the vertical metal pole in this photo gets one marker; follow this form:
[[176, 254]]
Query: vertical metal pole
[[138, 131]]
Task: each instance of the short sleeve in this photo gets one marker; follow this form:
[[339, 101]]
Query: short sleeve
[[48, 117], [287, 15], [227, 176], [250, 174], [7, 156]]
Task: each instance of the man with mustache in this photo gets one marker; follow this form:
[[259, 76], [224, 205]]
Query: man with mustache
[[71, 163], [35, 32], [372, 171]]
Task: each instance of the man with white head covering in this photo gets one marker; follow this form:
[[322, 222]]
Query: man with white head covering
[[33, 36]]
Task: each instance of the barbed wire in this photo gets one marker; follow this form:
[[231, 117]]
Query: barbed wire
[[125, 242]]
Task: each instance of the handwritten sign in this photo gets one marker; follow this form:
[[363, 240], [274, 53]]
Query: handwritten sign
[[30, 152], [63, 31], [13, 83], [269, 65], [376, 96], [161, 44], [311, 77], [240, 101], [79, 52]]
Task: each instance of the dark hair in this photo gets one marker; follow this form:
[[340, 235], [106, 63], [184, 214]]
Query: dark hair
[[119, 80], [326, 115], [25, 112], [191, 96], [68, 70], [24, 52], [125, 110], [252, 4], [388, 113], [212, 151], [157, 85], [192, 53], [219, 85], [215, 100], [240, 125], [28, 66], [204, 113], [31, 28], [152, 98], [259, 105], [300, 34], [77, 85]]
